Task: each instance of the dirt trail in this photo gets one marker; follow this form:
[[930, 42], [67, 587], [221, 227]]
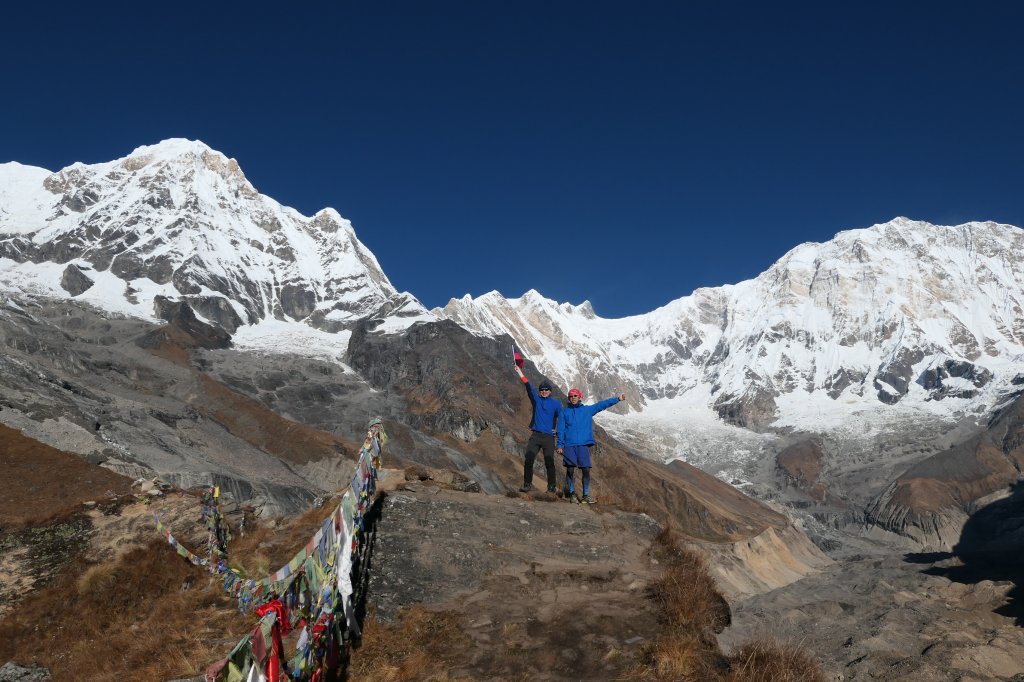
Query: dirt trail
[[548, 590]]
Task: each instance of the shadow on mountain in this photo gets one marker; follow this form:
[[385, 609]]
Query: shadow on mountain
[[991, 547]]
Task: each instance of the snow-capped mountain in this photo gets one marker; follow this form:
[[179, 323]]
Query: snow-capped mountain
[[900, 323], [900, 327], [180, 220]]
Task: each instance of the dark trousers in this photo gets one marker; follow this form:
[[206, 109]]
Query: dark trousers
[[545, 442]]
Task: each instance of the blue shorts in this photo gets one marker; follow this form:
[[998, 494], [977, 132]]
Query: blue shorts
[[576, 456]]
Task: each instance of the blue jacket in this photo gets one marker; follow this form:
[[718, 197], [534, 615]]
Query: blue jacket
[[545, 411], [578, 422]]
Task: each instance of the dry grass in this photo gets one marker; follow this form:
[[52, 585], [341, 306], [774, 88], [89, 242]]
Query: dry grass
[[767, 660], [693, 612], [422, 645], [679, 656], [48, 483], [687, 595], [147, 615], [135, 617]]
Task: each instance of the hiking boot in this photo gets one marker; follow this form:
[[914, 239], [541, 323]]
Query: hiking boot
[[587, 499], [551, 488], [526, 488], [573, 499]]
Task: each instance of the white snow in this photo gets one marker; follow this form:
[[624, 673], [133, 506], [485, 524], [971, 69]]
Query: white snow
[[272, 336], [22, 197]]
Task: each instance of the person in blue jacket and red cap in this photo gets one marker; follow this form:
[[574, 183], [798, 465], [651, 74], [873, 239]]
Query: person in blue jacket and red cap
[[575, 436], [544, 423]]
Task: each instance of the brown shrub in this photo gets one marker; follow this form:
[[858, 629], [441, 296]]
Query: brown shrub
[[767, 660]]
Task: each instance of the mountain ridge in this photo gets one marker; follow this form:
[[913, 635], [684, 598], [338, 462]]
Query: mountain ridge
[[883, 343]]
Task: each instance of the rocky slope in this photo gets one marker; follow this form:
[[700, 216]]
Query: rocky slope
[[931, 502], [124, 392], [922, 618]]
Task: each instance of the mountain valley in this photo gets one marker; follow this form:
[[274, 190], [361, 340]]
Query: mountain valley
[[841, 437]]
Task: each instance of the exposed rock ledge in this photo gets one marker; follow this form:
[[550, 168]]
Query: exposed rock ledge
[[772, 559]]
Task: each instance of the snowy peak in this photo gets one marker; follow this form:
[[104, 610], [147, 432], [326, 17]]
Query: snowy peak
[[962, 283], [189, 156], [180, 220], [903, 312]]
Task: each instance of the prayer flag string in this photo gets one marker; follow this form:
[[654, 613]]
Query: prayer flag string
[[313, 591]]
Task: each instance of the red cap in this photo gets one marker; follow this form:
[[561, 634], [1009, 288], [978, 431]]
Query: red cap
[[576, 392]]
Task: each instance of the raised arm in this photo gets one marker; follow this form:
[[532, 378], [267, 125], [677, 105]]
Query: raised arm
[[608, 402], [526, 382]]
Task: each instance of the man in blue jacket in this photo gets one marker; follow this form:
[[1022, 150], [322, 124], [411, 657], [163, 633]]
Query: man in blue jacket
[[575, 437], [543, 424]]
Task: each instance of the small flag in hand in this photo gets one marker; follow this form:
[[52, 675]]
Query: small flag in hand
[[518, 357]]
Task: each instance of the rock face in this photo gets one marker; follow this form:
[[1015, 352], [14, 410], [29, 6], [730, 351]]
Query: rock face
[[931, 501], [11, 672], [184, 329], [74, 281], [125, 393]]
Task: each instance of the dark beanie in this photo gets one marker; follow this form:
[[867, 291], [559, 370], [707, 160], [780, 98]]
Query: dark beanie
[[543, 385]]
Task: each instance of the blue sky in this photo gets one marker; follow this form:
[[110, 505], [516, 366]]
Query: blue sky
[[622, 152]]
